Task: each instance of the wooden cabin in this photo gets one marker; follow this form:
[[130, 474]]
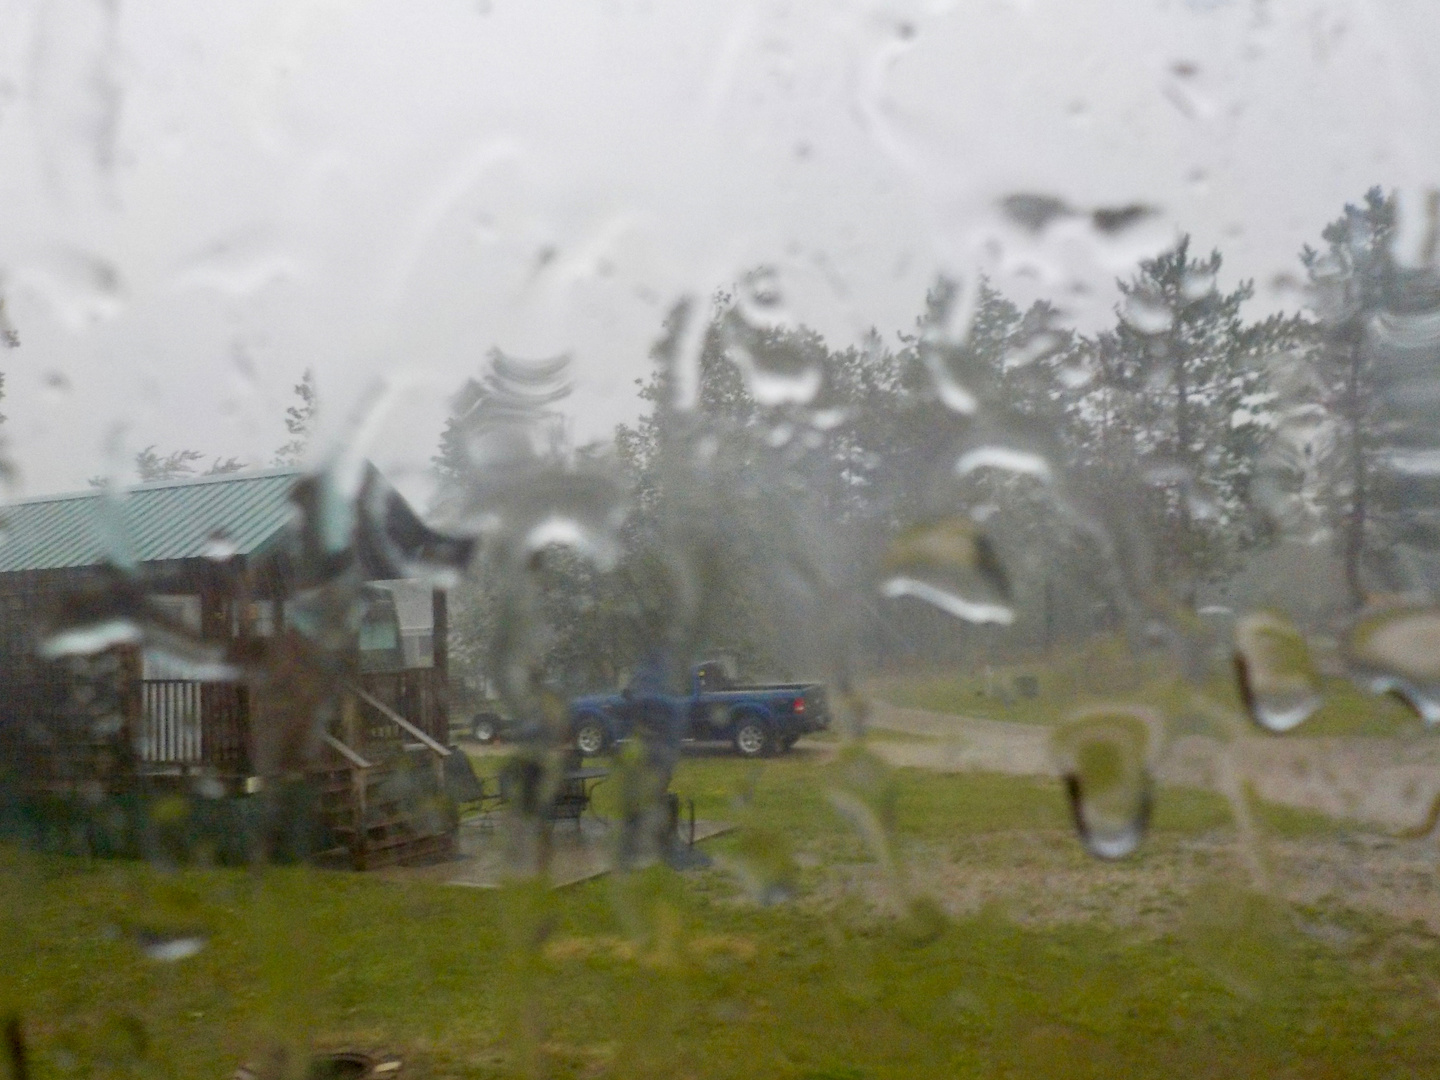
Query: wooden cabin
[[168, 639]]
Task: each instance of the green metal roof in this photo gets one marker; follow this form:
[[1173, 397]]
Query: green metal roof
[[239, 513]]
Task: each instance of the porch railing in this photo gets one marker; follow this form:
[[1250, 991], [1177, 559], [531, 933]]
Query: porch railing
[[180, 725], [415, 694], [185, 723]]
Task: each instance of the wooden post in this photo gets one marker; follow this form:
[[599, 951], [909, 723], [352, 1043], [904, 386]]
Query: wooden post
[[132, 697], [440, 650], [214, 612], [350, 735], [216, 606]]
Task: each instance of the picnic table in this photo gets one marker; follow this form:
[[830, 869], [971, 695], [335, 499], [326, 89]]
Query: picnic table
[[520, 783], [577, 789]]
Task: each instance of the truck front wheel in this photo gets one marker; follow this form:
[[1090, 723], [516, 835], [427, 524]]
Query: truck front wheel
[[753, 737], [591, 738]]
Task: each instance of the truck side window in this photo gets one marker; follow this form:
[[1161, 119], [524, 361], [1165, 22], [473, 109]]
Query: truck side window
[[711, 679]]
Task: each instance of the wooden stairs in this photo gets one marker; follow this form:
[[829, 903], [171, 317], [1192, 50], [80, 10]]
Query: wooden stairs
[[383, 796]]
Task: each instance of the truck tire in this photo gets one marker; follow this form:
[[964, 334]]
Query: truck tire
[[591, 736], [753, 737], [788, 743], [485, 728]]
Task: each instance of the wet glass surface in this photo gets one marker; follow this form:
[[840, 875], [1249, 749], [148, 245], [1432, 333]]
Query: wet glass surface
[[842, 540]]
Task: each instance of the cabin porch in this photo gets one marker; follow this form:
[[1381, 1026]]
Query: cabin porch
[[144, 717]]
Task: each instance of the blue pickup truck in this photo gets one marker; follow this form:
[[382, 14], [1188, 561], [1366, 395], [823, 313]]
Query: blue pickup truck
[[756, 720]]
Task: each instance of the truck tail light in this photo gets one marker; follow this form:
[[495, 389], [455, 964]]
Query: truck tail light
[[799, 704]]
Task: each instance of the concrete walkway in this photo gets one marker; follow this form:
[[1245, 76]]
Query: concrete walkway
[[576, 853]]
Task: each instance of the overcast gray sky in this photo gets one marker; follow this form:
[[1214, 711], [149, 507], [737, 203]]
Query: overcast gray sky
[[199, 199]]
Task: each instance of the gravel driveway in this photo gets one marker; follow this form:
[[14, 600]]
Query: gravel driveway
[[1382, 857], [1392, 784]]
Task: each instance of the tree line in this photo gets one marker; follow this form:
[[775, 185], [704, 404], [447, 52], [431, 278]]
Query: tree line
[[989, 460], [787, 502], [153, 466]]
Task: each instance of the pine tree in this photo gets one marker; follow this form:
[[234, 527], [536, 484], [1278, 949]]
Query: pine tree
[[9, 336], [299, 422], [1352, 279], [155, 468], [1178, 402]]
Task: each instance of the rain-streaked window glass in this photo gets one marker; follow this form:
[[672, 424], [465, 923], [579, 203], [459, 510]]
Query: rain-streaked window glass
[[843, 539]]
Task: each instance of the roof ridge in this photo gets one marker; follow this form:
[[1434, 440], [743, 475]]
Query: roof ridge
[[157, 485]]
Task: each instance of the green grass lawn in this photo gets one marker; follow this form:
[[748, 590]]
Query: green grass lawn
[[661, 974]]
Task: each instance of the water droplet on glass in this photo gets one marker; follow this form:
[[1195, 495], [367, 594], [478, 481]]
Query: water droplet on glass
[[1111, 220], [1101, 753], [219, 547], [1033, 347], [827, 419], [782, 364], [952, 565], [1004, 458], [1399, 651], [169, 947], [173, 656], [57, 387], [90, 639], [944, 330], [1033, 212], [1197, 285], [764, 862], [760, 299], [1145, 315], [1278, 680]]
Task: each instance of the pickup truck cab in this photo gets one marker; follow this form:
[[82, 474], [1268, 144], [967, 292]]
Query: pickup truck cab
[[757, 720]]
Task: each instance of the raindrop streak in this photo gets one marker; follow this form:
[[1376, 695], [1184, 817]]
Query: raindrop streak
[[952, 565], [1278, 681], [1022, 462], [1399, 651], [1101, 754], [947, 327], [781, 363], [948, 602], [89, 640]]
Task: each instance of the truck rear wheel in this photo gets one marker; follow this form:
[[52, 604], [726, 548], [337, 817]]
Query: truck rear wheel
[[753, 737], [485, 728]]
